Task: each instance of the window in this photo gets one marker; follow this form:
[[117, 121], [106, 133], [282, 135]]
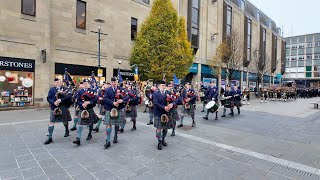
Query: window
[[134, 27], [317, 44], [294, 64], [309, 57], [309, 44], [294, 47], [301, 57], [287, 46], [81, 15], [242, 4], [249, 40], [308, 62], [28, 7], [301, 46], [293, 58], [316, 56], [195, 23], [301, 63], [229, 21], [146, 1], [287, 59]]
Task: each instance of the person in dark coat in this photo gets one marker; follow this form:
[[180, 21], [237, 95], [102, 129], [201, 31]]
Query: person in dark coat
[[77, 109], [211, 95], [229, 94], [102, 111], [150, 104], [189, 99], [237, 98], [60, 100], [133, 101]]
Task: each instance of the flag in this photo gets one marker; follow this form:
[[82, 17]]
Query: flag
[[67, 79], [119, 76], [92, 81], [175, 79]]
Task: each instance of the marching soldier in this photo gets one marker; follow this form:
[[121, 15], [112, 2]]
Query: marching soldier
[[162, 113], [60, 100], [114, 104], [150, 104], [76, 106], [237, 98], [211, 95], [188, 99], [102, 110], [87, 100]]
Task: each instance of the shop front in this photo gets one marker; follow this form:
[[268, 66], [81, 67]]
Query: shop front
[[16, 82], [79, 72], [127, 75]]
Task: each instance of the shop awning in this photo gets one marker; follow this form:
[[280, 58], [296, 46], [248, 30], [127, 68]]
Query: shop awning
[[205, 69], [194, 68]]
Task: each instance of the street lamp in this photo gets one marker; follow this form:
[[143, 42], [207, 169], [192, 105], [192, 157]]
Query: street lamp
[[99, 21]]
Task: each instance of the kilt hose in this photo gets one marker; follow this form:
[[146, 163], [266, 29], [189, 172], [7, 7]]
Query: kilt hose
[[120, 120], [133, 114], [93, 118], [159, 125], [65, 117]]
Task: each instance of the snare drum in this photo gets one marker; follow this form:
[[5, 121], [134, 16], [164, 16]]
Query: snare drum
[[212, 106]]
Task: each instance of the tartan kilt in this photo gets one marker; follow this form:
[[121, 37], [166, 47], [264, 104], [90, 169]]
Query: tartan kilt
[[133, 113], [159, 125], [120, 120], [93, 118], [151, 110], [66, 116], [189, 112], [238, 103], [230, 105]]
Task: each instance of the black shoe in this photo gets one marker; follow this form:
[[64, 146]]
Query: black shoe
[[231, 114], [223, 116], [173, 133], [134, 128], [180, 125], [193, 124], [77, 141], [206, 118], [48, 141], [150, 123], [115, 140], [202, 111], [164, 143], [73, 129], [216, 118], [66, 134], [107, 145], [89, 137], [96, 129], [160, 145], [120, 131]]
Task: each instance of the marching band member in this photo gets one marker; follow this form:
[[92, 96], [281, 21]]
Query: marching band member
[[229, 94], [147, 92], [87, 101], [237, 98], [102, 111], [131, 107], [189, 99], [263, 95], [150, 104], [174, 93], [163, 105], [60, 100], [211, 95], [76, 106], [114, 104]]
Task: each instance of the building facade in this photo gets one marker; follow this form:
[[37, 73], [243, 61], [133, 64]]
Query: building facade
[[303, 59], [40, 39]]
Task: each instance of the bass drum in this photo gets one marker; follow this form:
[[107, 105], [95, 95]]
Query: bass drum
[[212, 106]]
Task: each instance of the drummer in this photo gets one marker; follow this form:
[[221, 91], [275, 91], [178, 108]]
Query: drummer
[[211, 95]]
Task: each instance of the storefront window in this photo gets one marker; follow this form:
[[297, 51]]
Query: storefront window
[[16, 82]]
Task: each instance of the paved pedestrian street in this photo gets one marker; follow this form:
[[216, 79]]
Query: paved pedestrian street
[[273, 140]]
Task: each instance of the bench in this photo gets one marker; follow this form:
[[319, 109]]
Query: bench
[[315, 104]]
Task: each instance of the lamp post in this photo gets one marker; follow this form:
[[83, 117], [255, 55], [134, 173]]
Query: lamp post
[[99, 21]]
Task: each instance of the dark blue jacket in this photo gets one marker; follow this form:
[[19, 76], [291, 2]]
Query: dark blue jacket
[[51, 98], [237, 98], [184, 96], [133, 97], [230, 93], [160, 102], [212, 92], [80, 101], [109, 99]]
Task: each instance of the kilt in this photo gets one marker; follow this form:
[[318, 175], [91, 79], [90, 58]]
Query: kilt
[[66, 116], [93, 118], [189, 112], [159, 125], [151, 110], [102, 111], [237, 103], [115, 121], [230, 105], [175, 116], [133, 113]]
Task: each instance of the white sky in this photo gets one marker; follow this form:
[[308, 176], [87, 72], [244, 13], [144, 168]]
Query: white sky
[[295, 17]]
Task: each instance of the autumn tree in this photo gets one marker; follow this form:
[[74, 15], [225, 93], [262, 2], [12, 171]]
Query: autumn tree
[[162, 46], [261, 65]]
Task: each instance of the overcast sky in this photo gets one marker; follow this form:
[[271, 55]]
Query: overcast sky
[[295, 17]]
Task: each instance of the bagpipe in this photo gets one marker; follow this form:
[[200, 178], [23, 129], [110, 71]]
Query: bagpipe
[[169, 99], [114, 111], [190, 94], [87, 96], [128, 107], [60, 95]]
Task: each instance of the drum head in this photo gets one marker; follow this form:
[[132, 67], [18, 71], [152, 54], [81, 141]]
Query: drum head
[[146, 102], [210, 104]]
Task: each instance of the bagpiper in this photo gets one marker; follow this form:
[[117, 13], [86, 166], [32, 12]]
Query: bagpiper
[[211, 95], [188, 99], [229, 98], [114, 104], [150, 104], [87, 100], [60, 100], [131, 106], [163, 104], [263, 95], [175, 96], [77, 109], [246, 96], [102, 111], [237, 98]]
